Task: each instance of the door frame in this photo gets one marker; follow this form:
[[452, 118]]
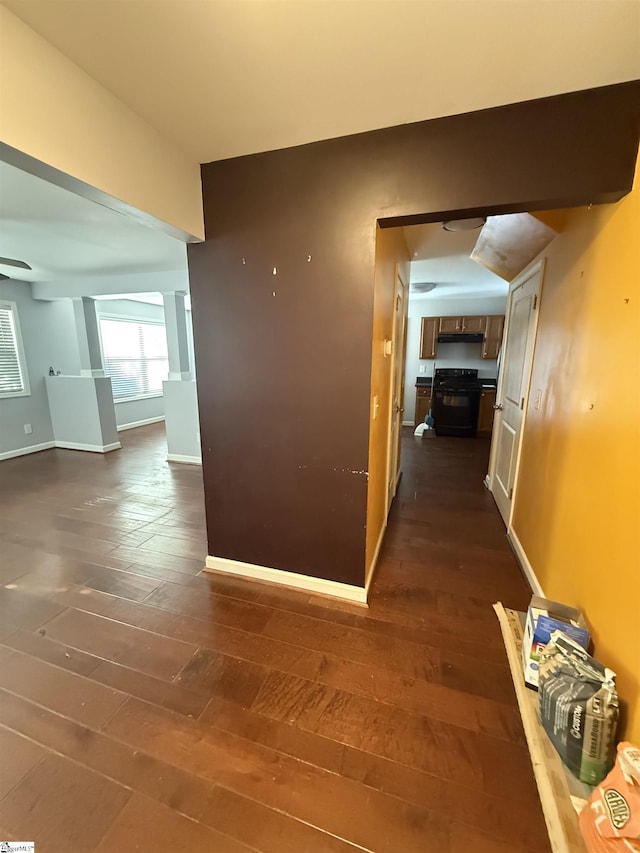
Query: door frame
[[537, 268]]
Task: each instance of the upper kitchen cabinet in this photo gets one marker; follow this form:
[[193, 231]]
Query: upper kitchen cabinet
[[428, 337], [493, 336], [450, 325], [474, 324], [489, 327], [462, 325]]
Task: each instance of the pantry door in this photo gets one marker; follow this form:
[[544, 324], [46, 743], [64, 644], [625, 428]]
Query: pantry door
[[513, 386]]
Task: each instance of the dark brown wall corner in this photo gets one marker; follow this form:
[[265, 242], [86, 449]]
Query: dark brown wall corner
[[282, 292]]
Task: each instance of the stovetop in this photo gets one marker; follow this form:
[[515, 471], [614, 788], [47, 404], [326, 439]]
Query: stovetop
[[484, 381], [463, 378], [448, 373]]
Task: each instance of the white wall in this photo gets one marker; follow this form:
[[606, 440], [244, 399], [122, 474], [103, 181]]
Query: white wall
[[448, 355], [134, 411], [49, 339]]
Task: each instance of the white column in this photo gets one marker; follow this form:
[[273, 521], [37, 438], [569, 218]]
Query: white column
[[180, 395], [84, 309], [175, 321], [82, 413], [82, 410]]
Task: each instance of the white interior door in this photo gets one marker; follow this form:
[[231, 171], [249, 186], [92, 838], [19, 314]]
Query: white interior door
[[513, 386], [398, 354]]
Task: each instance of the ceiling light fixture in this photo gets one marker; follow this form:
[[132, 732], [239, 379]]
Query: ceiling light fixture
[[423, 286], [464, 224]]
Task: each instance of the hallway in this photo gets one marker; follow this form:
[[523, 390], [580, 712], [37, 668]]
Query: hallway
[[145, 706]]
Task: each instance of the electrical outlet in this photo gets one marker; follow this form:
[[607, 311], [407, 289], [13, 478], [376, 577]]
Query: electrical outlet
[[27, 429], [422, 368]]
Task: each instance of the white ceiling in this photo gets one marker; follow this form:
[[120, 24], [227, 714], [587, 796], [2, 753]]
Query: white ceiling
[[442, 257], [63, 236], [228, 77]]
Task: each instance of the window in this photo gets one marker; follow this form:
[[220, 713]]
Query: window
[[135, 357], [14, 381]]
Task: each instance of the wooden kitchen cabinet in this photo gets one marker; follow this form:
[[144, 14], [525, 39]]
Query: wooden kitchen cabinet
[[493, 336], [474, 324], [486, 411], [450, 325], [423, 404], [428, 337], [491, 327]]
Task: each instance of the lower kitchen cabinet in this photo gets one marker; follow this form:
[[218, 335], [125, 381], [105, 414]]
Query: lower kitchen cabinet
[[423, 404], [486, 411]]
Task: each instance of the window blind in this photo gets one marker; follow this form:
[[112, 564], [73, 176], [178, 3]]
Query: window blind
[[135, 356], [12, 380]]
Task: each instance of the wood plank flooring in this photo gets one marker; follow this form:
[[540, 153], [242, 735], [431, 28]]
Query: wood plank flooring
[[146, 706]]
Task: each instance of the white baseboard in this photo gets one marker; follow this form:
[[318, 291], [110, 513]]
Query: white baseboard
[[135, 424], [25, 451], [408, 423], [64, 445], [91, 448], [526, 566], [186, 460], [319, 585]]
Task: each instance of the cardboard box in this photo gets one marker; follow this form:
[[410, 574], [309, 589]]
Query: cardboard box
[[543, 618]]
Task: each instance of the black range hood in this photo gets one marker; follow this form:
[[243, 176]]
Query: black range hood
[[461, 337]]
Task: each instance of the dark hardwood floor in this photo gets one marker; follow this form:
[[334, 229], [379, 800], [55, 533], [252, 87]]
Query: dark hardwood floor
[[145, 706]]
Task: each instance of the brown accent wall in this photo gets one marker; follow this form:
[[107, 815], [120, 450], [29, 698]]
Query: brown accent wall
[[284, 360]]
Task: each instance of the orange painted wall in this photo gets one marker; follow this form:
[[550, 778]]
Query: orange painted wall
[[577, 511], [391, 249]]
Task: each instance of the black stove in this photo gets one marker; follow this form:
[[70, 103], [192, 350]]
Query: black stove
[[455, 401], [455, 377]]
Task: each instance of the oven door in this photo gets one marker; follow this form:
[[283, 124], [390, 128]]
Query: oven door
[[455, 410]]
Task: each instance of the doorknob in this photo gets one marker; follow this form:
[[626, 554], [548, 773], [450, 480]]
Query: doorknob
[[498, 407]]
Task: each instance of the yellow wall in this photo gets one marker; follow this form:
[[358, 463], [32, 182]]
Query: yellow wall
[[391, 249], [53, 111], [577, 511]]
